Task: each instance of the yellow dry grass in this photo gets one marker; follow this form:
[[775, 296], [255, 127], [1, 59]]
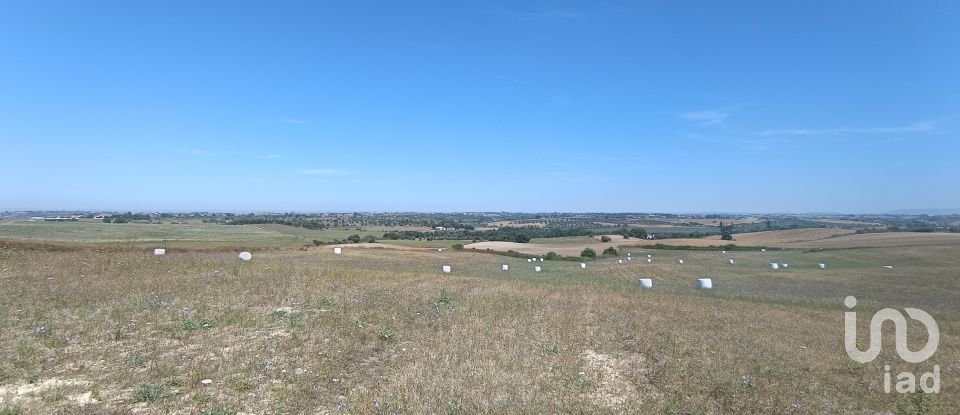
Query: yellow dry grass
[[384, 331]]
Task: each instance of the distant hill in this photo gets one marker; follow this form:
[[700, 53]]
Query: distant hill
[[931, 212]]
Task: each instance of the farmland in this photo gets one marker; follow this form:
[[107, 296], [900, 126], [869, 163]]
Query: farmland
[[189, 235], [384, 331]]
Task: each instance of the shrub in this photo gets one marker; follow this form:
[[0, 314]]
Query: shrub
[[610, 251], [588, 253], [457, 246], [149, 392], [191, 324], [552, 255], [605, 238]]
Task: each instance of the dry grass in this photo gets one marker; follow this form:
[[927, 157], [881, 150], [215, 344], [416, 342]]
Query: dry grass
[[785, 238], [571, 246], [383, 331]]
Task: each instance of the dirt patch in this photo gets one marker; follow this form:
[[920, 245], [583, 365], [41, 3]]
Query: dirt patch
[[25, 392], [613, 389]]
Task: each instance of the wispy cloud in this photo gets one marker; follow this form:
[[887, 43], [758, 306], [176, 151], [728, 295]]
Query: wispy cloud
[[272, 156], [707, 117], [293, 121], [323, 172], [509, 79], [551, 14], [201, 153], [918, 127]]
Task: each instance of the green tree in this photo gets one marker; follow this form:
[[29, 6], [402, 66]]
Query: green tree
[[457, 246], [552, 255], [611, 251], [521, 238], [353, 238], [726, 232], [588, 253], [605, 238]]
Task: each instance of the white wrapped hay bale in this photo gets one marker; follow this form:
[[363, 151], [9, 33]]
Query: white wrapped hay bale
[[504, 267], [541, 259], [629, 258], [649, 260], [337, 250], [705, 283], [822, 265], [447, 269], [246, 256], [160, 251], [763, 250], [649, 256], [785, 265], [888, 266], [583, 265], [537, 269], [774, 265], [619, 261], [645, 282], [680, 261], [529, 260], [732, 262]]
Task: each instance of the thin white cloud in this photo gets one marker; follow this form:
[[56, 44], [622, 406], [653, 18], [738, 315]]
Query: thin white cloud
[[918, 127], [323, 172], [272, 156], [551, 14], [707, 117], [507, 78], [293, 121]]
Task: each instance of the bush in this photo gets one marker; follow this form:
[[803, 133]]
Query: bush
[[521, 238], [150, 392], [353, 238], [457, 246], [610, 251], [552, 255], [317, 242], [588, 253], [605, 238], [369, 239]]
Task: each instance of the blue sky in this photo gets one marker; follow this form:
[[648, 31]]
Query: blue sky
[[467, 105]]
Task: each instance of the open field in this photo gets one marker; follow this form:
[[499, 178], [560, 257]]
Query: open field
[[568, 246], [826, 238], [768, 238], [383, 331], [190, 235]]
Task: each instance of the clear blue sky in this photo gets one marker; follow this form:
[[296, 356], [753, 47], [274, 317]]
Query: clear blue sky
[[761, 106]]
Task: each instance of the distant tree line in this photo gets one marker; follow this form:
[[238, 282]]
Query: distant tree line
[[126, 217]]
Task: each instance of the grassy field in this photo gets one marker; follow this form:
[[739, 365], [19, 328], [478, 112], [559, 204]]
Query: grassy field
[[187, 236], [384, 331], [92, 330], [826, 238]]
